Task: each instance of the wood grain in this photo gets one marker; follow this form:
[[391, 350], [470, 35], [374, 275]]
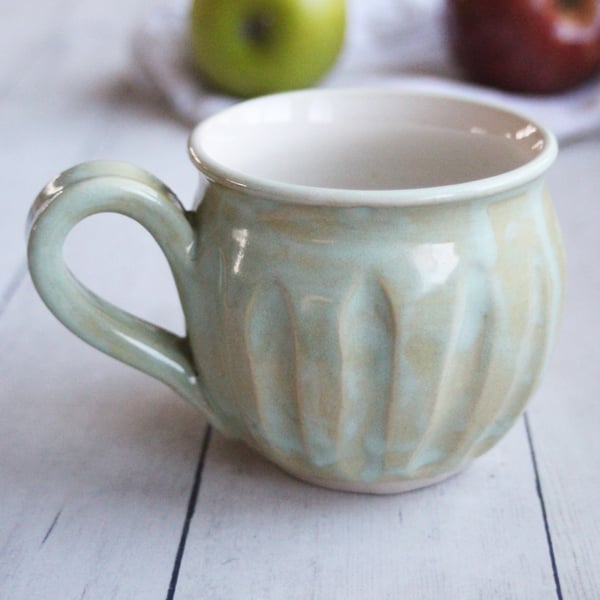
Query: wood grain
[[259, 534], [96, 464]]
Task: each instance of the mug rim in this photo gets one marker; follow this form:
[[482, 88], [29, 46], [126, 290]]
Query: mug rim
[[507, 181]]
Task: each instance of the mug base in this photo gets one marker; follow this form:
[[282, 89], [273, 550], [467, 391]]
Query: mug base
[[376, 487]]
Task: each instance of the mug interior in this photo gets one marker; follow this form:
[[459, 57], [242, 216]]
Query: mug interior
[[366, 140]]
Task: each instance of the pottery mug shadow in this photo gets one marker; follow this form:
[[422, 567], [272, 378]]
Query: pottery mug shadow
[[371, 281]]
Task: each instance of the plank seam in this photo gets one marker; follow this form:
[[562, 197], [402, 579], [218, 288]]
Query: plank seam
[[51, 528], [538, 487], [189, 514]]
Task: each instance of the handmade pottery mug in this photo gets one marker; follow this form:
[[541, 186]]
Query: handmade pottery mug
[[371, 280]]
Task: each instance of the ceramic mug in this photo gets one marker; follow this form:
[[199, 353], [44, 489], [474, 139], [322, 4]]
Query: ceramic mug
[[371, 280]]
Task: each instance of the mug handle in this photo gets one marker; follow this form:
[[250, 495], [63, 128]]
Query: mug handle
[[106, 186]]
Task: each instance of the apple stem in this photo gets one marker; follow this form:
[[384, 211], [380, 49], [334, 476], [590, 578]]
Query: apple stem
[[258, 27]]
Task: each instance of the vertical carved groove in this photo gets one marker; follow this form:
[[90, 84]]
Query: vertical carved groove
[[367, 339], [296, 393], [542, 325], [482, 396], [239, 372], [550, 247], [318, 359], [394, 383], [525, 367], [228, 329], [268, 341], [442, 393]]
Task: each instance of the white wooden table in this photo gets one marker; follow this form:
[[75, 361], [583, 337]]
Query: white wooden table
[[111, 487]]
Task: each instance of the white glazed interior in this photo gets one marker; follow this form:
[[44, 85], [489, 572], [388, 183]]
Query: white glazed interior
[[370, 146]]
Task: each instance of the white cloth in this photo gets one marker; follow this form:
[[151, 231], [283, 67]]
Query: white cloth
[[389, 43]]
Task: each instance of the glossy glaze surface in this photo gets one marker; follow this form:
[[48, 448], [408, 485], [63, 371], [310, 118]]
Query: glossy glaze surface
[[371, 345], [370, 147], [375, 345]]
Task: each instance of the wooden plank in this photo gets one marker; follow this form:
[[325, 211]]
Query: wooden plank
[[259, 534], [565, 415], [96, 461]]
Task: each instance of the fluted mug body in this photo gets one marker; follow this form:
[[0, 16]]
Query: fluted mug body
[[370, 310], [372, 345]]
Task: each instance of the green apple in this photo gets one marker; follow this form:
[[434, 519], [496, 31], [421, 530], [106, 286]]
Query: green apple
[[252, 47]]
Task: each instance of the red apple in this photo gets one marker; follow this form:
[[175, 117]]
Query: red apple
[[534, 46]]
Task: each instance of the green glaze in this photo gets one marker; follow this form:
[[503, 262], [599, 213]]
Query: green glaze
[[374, 347], [106, 186], [374, 344]]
